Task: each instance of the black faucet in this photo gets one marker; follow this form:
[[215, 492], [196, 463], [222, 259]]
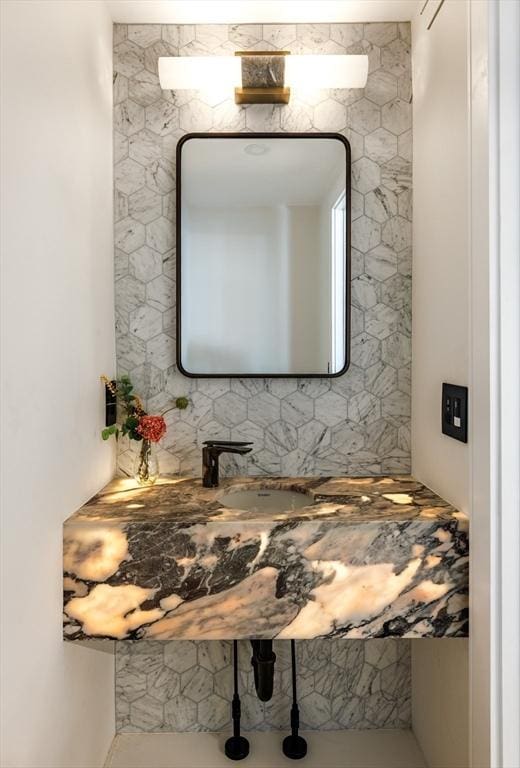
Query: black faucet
[[210, 453]]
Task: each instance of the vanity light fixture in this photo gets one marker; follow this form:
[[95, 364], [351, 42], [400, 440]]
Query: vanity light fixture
[[263, 77]]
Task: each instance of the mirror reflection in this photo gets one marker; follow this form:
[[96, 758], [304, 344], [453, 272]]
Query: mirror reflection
[[263, 261]]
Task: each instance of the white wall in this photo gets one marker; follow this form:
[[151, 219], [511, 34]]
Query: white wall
[[309, 303], [440, 286], [261, 264], [441, 334], [57, 337], [440, 711], [236, 267]]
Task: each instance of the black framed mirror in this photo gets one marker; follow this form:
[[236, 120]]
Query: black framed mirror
[[263, 254]]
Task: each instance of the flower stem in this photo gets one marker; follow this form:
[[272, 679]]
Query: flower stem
[[143, 469]]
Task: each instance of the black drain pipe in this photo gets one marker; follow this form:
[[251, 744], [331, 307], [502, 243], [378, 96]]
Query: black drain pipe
[[263, 660]]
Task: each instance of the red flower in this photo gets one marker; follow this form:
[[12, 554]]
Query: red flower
[[151, 428]]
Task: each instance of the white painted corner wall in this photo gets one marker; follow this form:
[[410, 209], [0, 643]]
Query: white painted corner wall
[[440, 285], [440, 711], [440, 339], [57, 337]]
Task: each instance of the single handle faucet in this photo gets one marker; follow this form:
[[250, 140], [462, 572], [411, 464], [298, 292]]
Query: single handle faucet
[[210, 455]]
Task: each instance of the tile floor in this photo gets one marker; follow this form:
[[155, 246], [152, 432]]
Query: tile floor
[[338, 749]]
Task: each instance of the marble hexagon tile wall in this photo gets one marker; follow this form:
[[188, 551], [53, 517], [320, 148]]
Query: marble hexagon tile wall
[[358, 423], [185, 686]]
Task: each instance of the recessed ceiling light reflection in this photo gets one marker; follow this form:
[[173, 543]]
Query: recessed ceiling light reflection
[[256, 149]]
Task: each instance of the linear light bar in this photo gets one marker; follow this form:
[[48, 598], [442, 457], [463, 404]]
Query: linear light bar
[[310, 71]]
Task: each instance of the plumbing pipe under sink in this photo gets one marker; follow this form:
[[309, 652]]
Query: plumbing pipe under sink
[[263, 661]]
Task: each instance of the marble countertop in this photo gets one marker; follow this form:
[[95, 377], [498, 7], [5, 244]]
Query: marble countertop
[[346, 499], [371, 557]]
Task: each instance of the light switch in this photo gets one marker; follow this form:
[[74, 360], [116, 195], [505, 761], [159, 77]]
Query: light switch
[[454, 412]]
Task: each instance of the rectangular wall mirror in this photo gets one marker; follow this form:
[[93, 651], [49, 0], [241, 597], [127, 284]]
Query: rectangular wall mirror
[[263, 254]]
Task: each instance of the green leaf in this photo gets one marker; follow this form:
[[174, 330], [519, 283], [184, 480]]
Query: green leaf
[[111, 430], [132, 422]]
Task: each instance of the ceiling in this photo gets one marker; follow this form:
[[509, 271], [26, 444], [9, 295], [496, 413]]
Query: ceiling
[[259, 11], [217, 172]]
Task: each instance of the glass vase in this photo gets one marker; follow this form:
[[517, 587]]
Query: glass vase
[[146, 465]]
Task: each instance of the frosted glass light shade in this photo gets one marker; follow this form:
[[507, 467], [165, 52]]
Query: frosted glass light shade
[[326, 71], [308, 71], [199, 72]]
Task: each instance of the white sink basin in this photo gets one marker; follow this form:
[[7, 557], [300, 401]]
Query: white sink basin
[[266, 500]]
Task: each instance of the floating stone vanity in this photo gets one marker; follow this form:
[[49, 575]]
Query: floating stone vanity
[[369, 557]]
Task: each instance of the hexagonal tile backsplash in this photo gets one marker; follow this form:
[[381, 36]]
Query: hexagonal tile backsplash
[[186, 686], [357, 424]]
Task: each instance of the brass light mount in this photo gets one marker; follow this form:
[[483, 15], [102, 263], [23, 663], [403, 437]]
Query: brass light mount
[[263, 78]]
